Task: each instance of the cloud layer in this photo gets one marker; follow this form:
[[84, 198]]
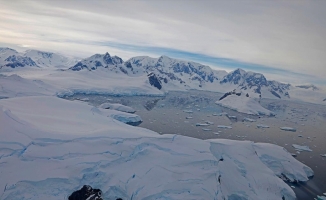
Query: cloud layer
[[273, 37]]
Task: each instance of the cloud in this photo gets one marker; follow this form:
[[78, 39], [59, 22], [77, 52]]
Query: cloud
[[278, 38]]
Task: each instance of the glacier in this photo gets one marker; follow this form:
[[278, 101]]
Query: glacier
[[50, 147]]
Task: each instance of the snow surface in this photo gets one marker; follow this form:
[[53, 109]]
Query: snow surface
[[49, 147], [244, 104]]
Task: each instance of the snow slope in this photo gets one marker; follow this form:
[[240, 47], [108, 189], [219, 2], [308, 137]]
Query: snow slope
[[244, 104], [13, 86], [49, 147]]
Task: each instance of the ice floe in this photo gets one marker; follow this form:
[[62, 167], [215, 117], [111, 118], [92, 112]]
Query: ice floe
[[301, 148], [246, 119], [223, 126], [117, 106], [262, 126], [288, 129]]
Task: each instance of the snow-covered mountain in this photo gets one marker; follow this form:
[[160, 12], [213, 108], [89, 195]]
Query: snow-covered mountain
[[48, 59], [167, 74], [98, 61], [255, 84], [10, 58], [175, 74]]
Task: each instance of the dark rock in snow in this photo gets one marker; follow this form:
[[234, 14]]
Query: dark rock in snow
[[154, 81], [86, 192], [14, 61], [230, 93]]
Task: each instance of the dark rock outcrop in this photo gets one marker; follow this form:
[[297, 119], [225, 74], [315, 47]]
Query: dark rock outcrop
[[154, 81], [86, 192], [14, 61], [230, 93]]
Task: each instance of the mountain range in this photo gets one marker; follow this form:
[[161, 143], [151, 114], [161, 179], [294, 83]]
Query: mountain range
[[171, 74]]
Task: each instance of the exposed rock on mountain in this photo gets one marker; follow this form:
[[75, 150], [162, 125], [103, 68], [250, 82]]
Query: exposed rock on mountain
[[97, 61], [154, 81]]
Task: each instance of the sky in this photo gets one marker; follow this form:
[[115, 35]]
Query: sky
[[284, 40]]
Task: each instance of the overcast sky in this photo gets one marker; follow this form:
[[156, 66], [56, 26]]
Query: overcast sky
[[285, 40]]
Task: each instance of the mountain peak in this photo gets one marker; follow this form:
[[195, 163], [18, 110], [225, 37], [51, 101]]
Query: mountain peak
[[239, 71], [3, 49]]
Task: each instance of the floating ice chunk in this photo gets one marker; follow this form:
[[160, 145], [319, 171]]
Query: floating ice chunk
[[232, 117], [300, 136], [199, 124], [323, 155], [116, 106], [189, 117], [321, 198], [246, 119], [127, 118], [292, 186], [222, 126], [220, 114], [262, 126], [209, 122], [84, 99], [301, 148], [288, 129], [216, 133], [188, 111], [206, 129]]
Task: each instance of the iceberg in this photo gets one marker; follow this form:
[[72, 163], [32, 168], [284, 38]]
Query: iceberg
[[301, 148], [244, 104]]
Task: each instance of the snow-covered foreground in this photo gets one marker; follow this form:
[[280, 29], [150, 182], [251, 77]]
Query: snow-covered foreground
[[50, 147], [244, 104]]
